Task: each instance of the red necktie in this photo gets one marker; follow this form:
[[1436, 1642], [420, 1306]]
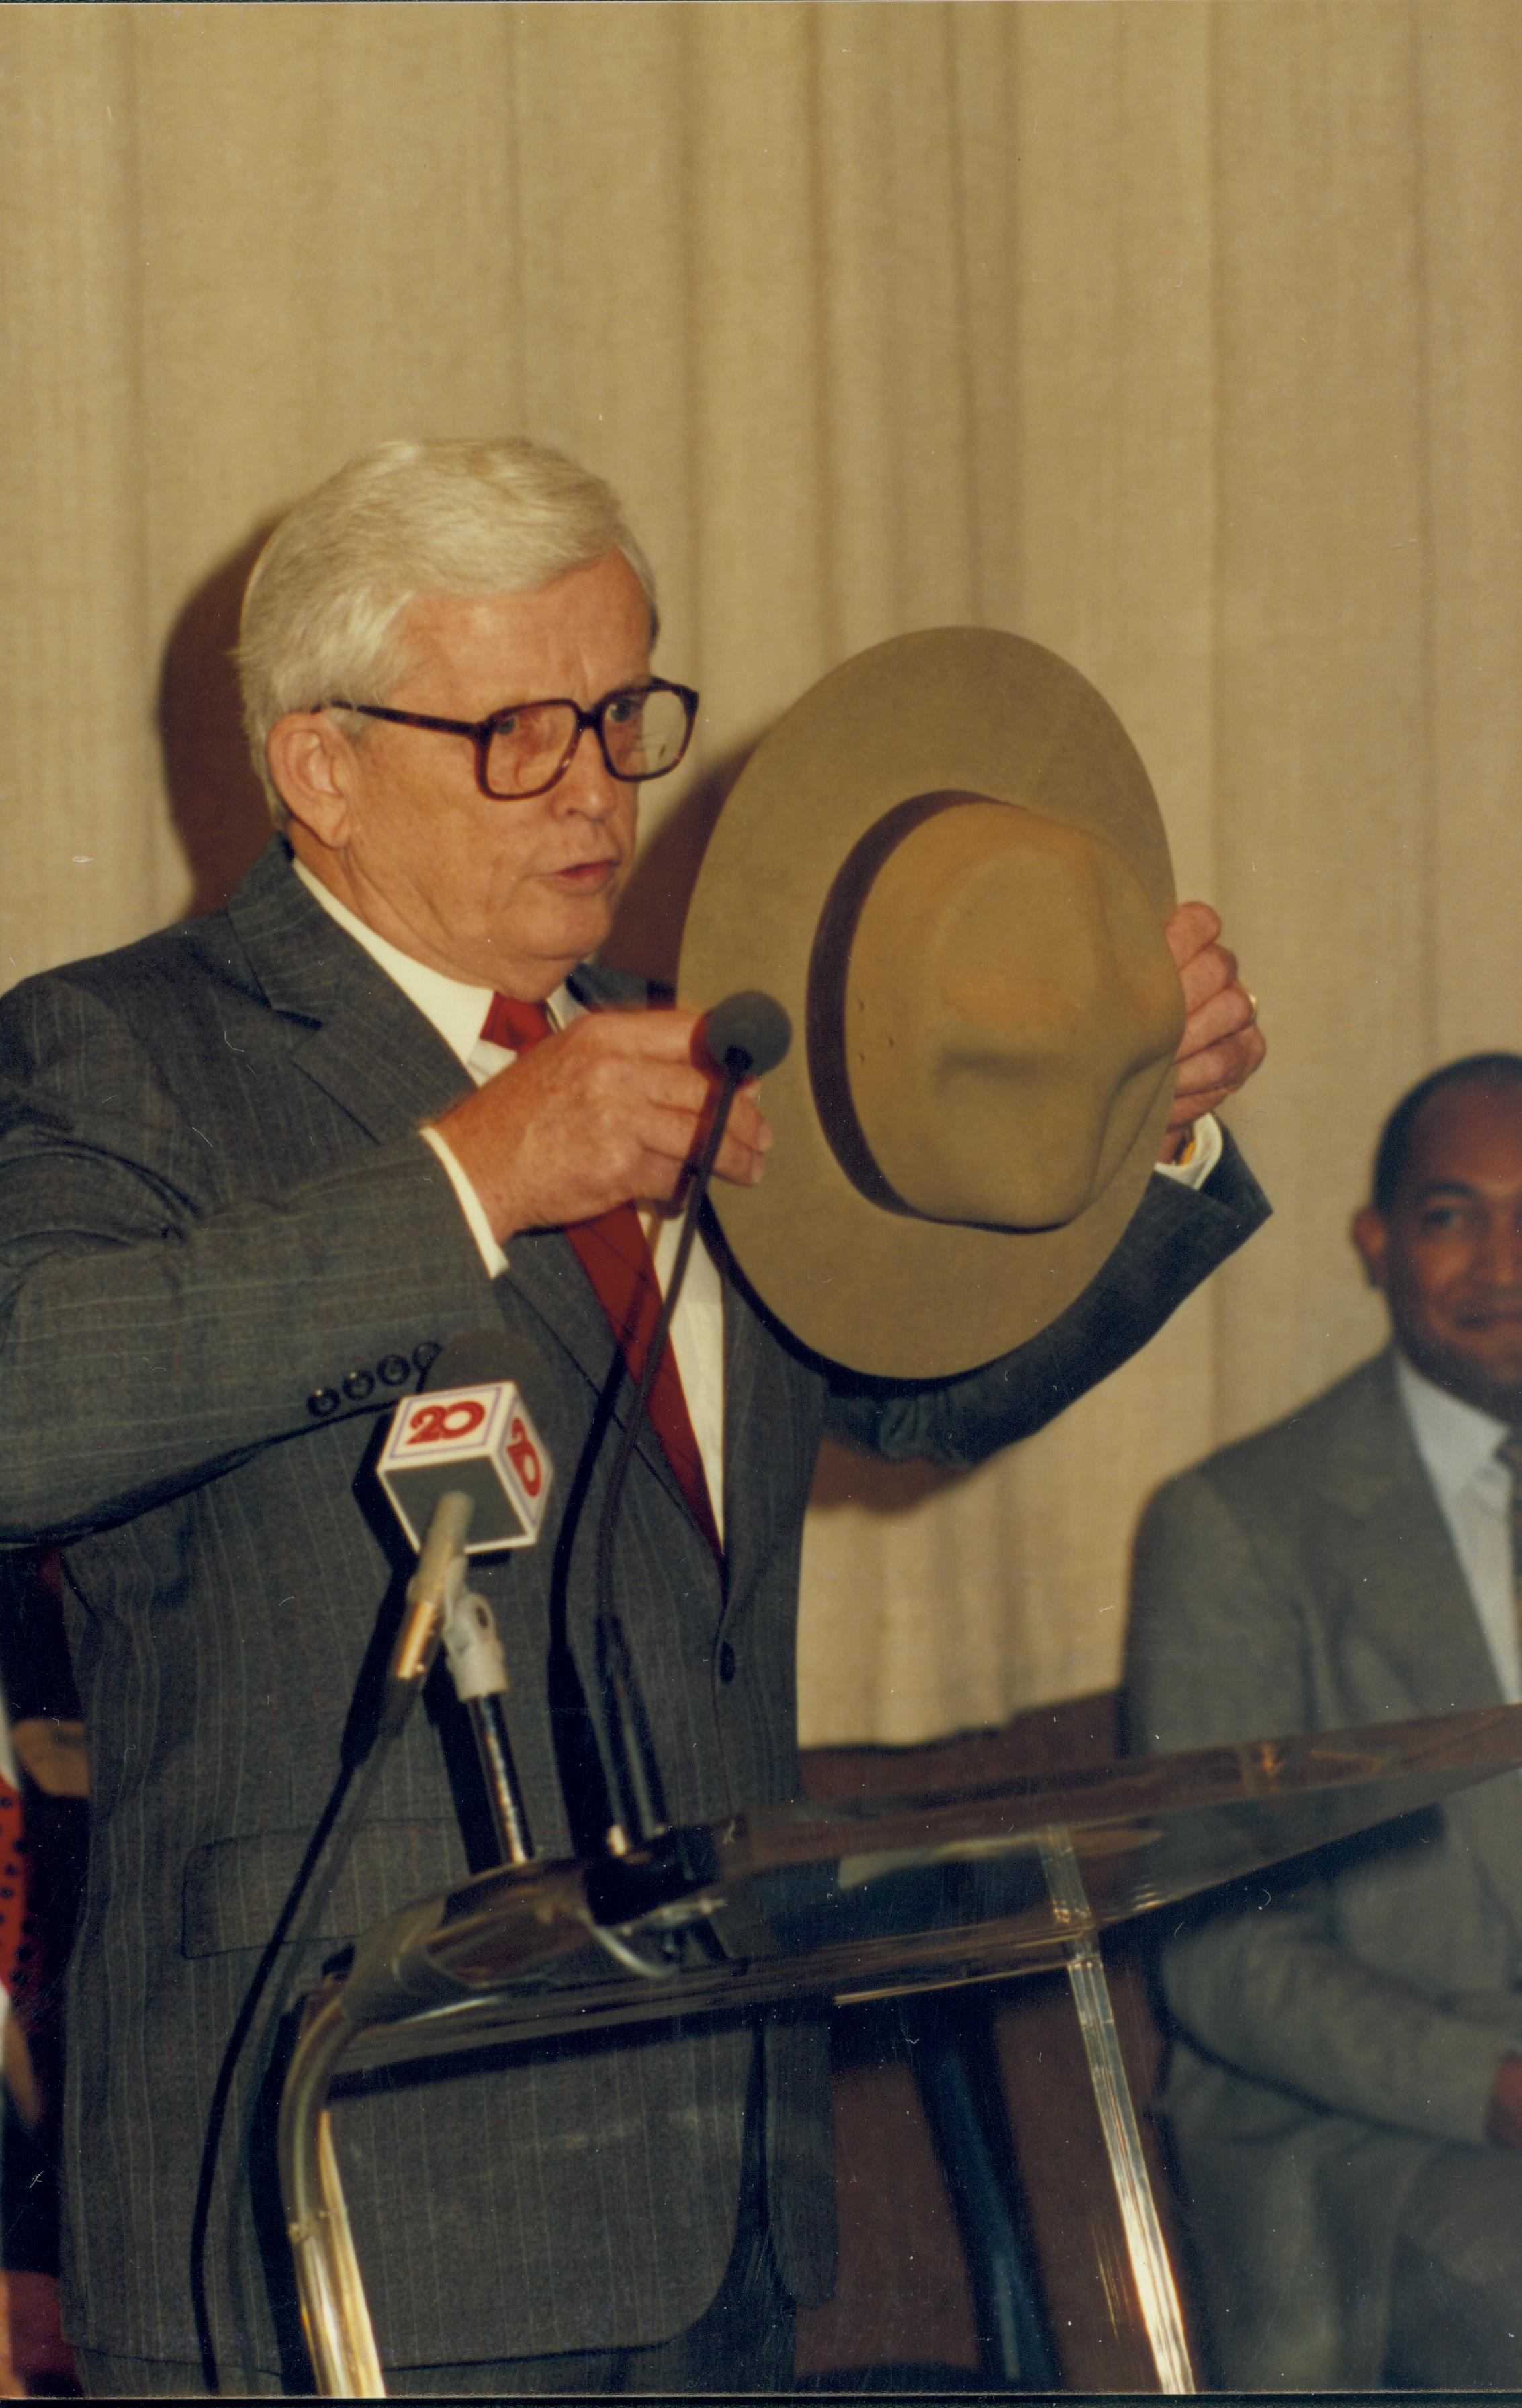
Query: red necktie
[[616, 1259]]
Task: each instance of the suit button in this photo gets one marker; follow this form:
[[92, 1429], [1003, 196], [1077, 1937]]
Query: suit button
[[323, 1401], [394, 1369], [357, 1385], [423, 1355], [727, 1667]]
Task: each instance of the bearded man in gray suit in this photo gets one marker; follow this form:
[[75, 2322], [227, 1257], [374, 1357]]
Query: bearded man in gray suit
[[1345, 2087], [253, 1172]]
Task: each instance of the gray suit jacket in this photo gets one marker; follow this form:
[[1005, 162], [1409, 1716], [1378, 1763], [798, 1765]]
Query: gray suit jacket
[[214, 1210], [1335, 2023]]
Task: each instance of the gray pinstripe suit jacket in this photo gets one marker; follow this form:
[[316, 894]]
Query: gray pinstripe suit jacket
[[1338, 2020], [214, 1204]]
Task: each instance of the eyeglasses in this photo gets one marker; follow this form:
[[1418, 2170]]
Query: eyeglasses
[[643, 731]]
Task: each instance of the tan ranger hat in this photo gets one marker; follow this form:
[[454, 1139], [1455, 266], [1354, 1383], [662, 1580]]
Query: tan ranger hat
[[948, 865]]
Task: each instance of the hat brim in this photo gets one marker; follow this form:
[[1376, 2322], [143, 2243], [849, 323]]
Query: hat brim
[[964, 709]]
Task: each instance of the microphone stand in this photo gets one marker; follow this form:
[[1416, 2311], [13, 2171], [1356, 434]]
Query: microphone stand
[[440, 1607]]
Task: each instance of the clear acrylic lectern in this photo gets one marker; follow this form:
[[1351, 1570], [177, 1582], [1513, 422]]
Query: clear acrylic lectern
[[845, 1903]]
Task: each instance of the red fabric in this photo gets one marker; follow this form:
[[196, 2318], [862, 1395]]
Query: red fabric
[[616, 1259], [36, 2361], [18, 1941]]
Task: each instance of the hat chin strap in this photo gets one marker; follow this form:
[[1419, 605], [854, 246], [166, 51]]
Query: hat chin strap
[[1007, 1016]]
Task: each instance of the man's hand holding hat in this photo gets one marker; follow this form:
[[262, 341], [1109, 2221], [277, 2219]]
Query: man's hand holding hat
[[1222, 1044]]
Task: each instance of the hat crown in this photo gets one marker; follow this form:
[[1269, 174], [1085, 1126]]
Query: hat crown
[[1010, 1012], [946, 1236]]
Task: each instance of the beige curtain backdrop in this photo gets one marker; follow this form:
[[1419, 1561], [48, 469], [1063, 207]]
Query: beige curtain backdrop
[[1186, 338]]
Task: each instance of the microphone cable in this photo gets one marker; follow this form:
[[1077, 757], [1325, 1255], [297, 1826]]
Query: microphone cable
[[332, 1819], [745, 1036]]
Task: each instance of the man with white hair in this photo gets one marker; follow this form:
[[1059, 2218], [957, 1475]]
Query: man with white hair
[[254, 1173]]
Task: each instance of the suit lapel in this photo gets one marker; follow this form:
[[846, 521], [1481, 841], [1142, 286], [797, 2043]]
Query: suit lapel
[[1406, 1587], [351, 1029]]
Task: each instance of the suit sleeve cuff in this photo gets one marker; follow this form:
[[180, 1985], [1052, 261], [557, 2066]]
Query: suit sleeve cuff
[[1203, 1152], [492, 1255]]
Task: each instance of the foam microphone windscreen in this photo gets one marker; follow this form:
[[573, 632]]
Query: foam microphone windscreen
[[471, 1429], [747, 1033]]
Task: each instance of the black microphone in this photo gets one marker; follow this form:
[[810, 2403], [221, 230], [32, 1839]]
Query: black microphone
[[747, 1034], [742, 1038]]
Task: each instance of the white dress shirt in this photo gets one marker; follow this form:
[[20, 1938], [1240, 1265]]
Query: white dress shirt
[[1458, 1444], [457, 1008]]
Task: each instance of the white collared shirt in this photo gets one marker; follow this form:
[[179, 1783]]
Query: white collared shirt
[[1458, 1444], [456, 1009], [1203, 1152]]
